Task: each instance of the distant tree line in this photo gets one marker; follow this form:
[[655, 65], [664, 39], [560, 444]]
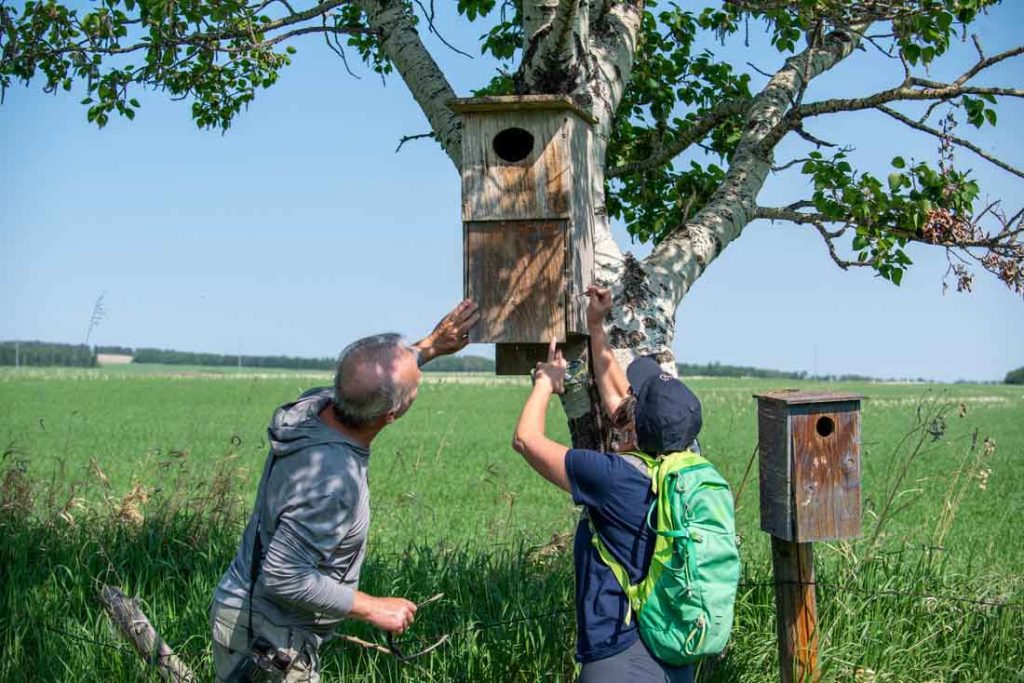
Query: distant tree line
[[114, 350], [720, 370], [460, 364], [1015, 376], [45, 353], [169, 357]]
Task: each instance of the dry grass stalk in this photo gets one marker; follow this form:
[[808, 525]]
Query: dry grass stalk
[[16, 498], [129, 511]]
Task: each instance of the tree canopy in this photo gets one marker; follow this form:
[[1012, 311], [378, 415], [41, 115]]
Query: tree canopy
[[657, 96]]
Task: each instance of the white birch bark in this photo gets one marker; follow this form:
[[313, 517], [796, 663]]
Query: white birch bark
[[551, 31], [425, 80], [680, 259]]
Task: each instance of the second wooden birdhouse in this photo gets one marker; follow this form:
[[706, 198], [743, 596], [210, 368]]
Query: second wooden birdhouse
[[810, 465], [527, 220]]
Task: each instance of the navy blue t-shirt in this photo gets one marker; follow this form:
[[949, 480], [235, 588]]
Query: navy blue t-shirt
[[616, 496]]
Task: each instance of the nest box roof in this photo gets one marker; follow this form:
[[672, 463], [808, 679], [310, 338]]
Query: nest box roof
[[794, 397], [505, 103]]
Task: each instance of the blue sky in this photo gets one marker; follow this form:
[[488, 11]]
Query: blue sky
[[301, 229]]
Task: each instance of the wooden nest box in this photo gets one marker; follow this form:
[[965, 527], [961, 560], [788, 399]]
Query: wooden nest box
[[527, 219], [809, 465]]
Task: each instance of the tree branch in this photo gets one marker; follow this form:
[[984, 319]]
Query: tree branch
[[401, 43], [984, 63], [210, 40], [1001, 253], [684, 138], [685, 254], [410, 138], [966, 144], [429, 14], [816, 220], [912, 88]]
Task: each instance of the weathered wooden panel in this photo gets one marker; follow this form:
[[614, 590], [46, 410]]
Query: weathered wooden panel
[[774, 469], [796, 610], [518, 359], [581, 229], [536, 187], [826, 471], [521, 359], [516, 273]]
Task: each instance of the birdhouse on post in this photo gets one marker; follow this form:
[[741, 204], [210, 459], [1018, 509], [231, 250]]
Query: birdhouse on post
[[810, 465], [809, 446], [527, 219]]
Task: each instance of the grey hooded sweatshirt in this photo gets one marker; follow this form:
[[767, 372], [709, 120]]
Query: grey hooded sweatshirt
[[313, 513]]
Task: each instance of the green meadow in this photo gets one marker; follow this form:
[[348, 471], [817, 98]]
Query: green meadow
[[143, 479]]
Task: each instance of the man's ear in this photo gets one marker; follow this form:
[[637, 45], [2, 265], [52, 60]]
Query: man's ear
[[389, 417]]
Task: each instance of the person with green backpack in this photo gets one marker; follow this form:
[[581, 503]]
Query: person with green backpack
[[655, 555]]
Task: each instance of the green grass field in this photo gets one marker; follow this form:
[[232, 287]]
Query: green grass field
[[142, 478]]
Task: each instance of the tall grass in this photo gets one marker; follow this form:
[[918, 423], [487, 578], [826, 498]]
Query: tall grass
[[897, 614], [912, 601]]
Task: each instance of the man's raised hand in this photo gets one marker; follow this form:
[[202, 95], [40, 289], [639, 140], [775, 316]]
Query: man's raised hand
[[451, 334]]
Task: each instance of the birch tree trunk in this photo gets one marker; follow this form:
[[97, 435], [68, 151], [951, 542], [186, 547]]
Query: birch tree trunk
[[585, 49]]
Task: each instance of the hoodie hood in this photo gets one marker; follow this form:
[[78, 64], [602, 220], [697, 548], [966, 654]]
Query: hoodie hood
[[296, 426]]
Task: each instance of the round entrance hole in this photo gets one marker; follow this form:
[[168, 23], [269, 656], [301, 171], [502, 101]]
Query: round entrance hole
[[825, 426], [513, 144]]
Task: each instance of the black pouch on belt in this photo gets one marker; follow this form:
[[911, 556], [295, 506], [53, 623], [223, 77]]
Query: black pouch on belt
[[263, 656]]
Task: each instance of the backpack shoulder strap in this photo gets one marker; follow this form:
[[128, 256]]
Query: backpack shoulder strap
[[618, 571], [647, 466], [644, 464]]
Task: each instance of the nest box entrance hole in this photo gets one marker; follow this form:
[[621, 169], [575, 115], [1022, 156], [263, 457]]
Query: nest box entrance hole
[[513, 144]]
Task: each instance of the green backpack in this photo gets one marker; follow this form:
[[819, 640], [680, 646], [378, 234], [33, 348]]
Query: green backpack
[[684, 604]]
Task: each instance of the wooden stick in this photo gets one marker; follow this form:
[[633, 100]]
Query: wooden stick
[[126, 614], [795, 610], [367, 644]]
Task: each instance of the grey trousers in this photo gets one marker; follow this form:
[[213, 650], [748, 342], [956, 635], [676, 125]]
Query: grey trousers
[[635, 664], [230, 627]]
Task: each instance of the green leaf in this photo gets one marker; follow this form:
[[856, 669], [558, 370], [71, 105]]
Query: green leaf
[[895, 181], [897, 276], [990, 115], [898, 162]]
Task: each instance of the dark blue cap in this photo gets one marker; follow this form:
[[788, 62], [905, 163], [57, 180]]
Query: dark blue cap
[[668, 415]]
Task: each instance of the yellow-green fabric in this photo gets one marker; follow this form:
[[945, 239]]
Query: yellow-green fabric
[[685, 603]]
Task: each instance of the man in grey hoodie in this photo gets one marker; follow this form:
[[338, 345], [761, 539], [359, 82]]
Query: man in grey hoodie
[[296, 574]]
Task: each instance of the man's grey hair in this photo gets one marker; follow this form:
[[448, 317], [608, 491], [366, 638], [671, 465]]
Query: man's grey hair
[[364, 384]]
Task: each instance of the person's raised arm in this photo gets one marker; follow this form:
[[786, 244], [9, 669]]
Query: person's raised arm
[[451, 334], [543, 454], [612, 384]]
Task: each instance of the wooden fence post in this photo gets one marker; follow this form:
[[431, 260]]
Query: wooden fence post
[[809, 467], [134, 625], [796, 610]]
